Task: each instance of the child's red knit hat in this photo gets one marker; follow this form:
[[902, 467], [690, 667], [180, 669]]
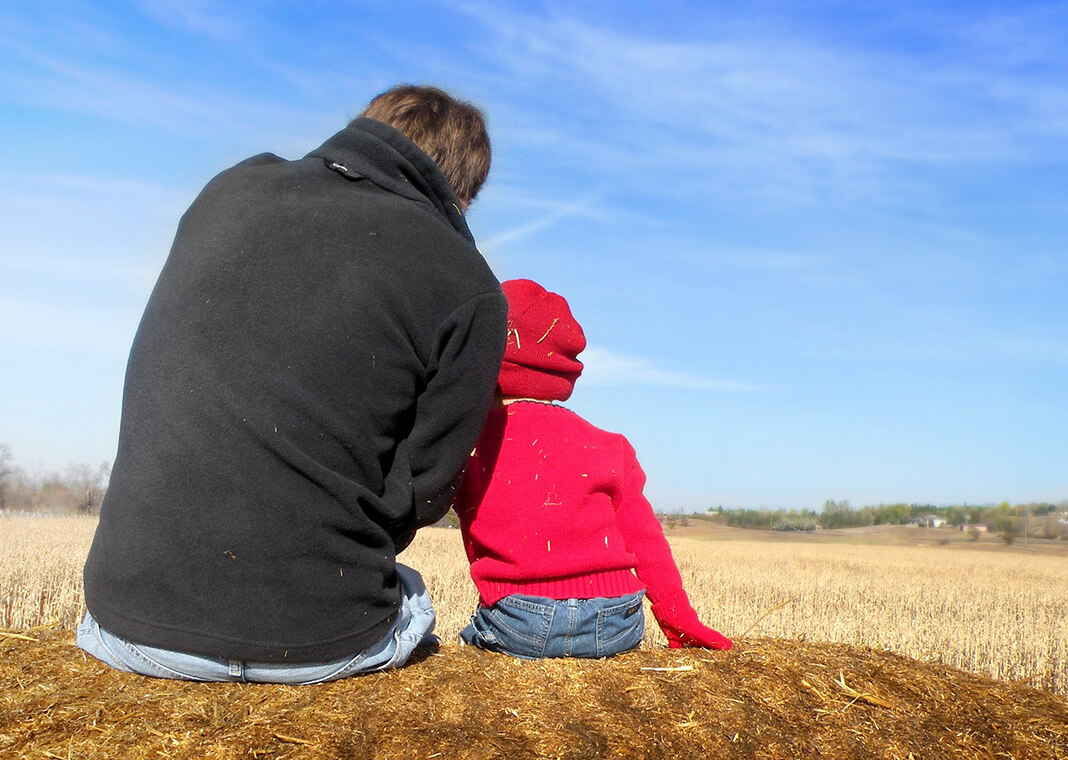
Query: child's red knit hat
[[543, 342]]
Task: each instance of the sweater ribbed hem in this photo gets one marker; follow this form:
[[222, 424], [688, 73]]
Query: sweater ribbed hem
[[608, 584]]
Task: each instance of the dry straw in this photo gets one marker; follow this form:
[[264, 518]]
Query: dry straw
[[788, 694], [980, 607], [764, 699]]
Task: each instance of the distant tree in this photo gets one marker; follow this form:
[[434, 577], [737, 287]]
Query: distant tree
[[751, 518], [837, 514], [805, 521], [88, 485], [1004, 522], [1051, 527], [7, 471], [893, 514], [80, 488], [957, 516], [450, 520]]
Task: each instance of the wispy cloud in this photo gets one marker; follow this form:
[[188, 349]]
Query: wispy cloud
[[200, 16], [770, 261], [81, 65], [585, 207], [91, 272], [67, 188], [786, 111], [606, 367], [126, 98], [31, 322], [100, 231]]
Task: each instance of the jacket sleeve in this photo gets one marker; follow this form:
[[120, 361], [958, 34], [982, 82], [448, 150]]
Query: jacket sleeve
[[452, 408], [655, 566]]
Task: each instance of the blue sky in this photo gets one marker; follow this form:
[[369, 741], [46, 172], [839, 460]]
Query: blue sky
[[820, 250]]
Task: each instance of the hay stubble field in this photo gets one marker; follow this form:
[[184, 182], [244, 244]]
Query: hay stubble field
[[897, 604], [996, 611]]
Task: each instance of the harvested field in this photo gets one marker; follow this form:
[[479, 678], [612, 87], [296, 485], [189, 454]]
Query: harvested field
[[764, 699], [984, 608], [813, 673], [41, 562]]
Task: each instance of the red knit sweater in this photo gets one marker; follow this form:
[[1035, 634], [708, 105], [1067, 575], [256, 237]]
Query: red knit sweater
[[552, 506]]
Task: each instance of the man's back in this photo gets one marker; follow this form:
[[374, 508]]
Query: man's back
[[292, 411]]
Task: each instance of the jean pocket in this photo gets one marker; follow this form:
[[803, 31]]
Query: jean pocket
[[163, 663], [520, 625], [621, 626], [136, 658]]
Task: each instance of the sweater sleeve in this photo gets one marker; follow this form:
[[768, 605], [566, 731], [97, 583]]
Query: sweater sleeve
[[451, 410], [655, 566]]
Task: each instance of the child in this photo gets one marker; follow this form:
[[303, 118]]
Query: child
[[554, 521]]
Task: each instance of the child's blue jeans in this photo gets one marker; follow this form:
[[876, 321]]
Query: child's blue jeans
[[413, 626], [532, 627]]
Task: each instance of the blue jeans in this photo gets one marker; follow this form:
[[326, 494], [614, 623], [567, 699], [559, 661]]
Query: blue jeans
[[413, 627], [532, 627]]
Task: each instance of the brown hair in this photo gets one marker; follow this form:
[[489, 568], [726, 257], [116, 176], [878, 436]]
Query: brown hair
[[450, 131]]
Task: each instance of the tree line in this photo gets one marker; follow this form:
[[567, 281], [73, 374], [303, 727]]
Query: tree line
[[81, 487], [1037, 519], [78, 489]]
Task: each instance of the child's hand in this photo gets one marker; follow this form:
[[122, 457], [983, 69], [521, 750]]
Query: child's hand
[[706, 638], [679, 622]]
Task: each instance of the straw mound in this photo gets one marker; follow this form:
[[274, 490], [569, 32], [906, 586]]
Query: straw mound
[[764, 699]]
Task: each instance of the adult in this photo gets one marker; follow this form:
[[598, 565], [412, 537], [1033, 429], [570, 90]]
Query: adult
[[307, 381]]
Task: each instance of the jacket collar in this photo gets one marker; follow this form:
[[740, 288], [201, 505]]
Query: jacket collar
[[379, 153]]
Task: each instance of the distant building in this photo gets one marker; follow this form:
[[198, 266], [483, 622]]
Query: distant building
[[927, 521]]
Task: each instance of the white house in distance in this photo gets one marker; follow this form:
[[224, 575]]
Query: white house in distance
[[927, 521]]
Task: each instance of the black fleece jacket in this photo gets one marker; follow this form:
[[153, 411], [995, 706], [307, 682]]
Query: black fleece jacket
[[310, 374]]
